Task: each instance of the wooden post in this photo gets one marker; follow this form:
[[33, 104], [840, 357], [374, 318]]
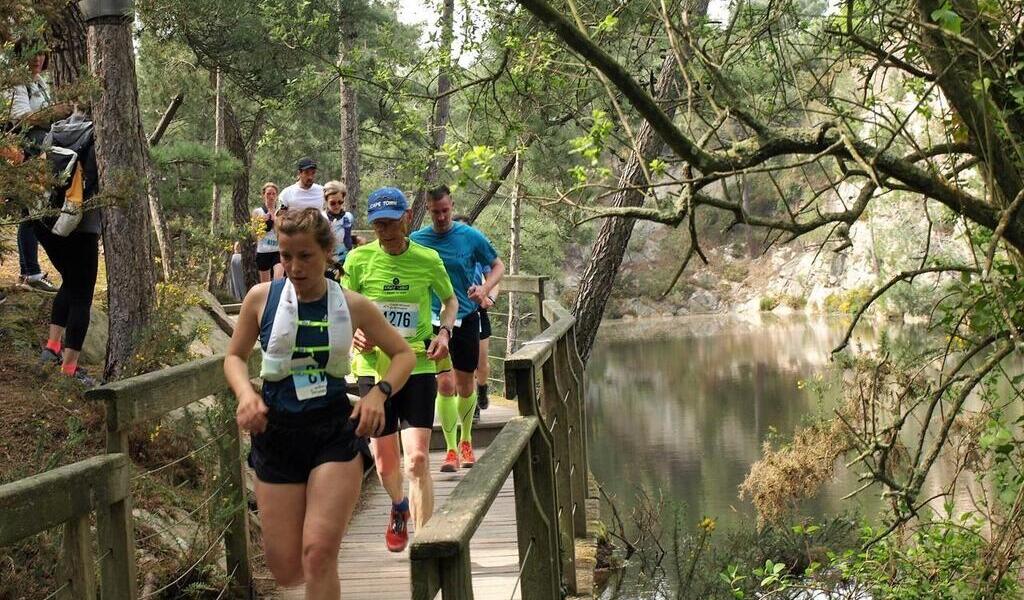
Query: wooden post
[[78, 560], [426, 578], [542, 323], [114, 525], [457, 576], [116, 547], [565, 381], [536, 511], [236, 538], [579, 375], [556, 420]]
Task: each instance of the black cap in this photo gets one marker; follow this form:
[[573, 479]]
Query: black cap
[[305, 163]]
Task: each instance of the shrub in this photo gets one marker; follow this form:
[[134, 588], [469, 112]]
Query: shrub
[[769, 303]]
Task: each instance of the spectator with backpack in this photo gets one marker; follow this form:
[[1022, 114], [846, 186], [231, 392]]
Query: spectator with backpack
[[30, 112], [71, 240]]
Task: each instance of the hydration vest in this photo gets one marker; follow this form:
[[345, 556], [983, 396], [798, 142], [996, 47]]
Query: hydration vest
[[277, 358]]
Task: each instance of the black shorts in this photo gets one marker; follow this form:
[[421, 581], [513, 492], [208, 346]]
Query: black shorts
[[464, 346], [411, 406], [293, 444], [265, 261], [485, 324]]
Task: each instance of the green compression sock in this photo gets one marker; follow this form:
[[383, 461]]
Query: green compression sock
[[448, 411], [467, 406]]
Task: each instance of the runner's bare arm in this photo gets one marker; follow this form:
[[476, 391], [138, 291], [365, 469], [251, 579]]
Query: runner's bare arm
[[251, 413], [438, 348], [477, 293], [367, 317]]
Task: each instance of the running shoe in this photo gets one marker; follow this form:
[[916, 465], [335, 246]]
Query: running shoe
[[48, 356], [451, 462], [466, 454], [3, 297], [81, 376], [397, 535], [38, 284]]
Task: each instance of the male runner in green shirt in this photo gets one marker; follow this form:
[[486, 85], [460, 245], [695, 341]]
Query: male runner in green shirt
[[399, 275]]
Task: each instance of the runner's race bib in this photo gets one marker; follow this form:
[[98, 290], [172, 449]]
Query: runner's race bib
[[403, 316], [310, 381]]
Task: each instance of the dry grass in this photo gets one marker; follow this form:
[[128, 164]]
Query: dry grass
[[786, 475]]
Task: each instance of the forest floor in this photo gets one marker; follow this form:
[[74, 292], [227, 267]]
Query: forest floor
[[47, 422]]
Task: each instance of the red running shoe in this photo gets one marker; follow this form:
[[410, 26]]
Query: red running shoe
[[466, 452], [451, 462], [397, 535]]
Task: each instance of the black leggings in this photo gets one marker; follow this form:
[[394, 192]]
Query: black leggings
[[77, 258]]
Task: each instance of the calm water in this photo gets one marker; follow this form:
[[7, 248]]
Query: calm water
[[686, 407]]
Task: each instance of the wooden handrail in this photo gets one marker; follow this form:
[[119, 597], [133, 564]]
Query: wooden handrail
[[451, 528], [66, 496], [537, 350], [51, 498], [152, 395]]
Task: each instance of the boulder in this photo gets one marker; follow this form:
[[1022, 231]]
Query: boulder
[[94, 349]]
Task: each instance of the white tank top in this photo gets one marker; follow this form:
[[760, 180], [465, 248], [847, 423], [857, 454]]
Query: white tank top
[[267, 243]]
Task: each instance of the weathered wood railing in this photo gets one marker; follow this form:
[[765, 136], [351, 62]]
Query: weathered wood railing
[[148, 397], [546, 453], [66, 497]]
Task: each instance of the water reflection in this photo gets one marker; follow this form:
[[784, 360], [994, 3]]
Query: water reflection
[[687, 411]]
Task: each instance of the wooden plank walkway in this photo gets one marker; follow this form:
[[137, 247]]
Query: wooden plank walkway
[[368, 570]]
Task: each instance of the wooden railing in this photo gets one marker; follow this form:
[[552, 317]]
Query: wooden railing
[[66, 497], [149, 397], [545, 451]]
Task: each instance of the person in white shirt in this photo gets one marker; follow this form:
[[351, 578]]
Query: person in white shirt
[[30, 110], [304, 193]]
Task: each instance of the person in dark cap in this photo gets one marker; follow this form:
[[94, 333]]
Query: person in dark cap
[[304, 193]]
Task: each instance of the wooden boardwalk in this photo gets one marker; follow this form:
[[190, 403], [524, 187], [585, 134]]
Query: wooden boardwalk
[[368, 570]]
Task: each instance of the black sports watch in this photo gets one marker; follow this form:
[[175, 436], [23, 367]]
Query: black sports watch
[[385, 387], [446, 328]]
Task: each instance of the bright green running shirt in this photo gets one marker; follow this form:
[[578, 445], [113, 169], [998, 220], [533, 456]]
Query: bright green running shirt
[[400, 285]]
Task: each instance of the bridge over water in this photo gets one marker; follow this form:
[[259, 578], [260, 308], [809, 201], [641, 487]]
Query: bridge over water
[[510, 527]]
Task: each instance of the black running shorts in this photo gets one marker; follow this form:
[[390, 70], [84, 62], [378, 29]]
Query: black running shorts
[[485, 324], [265, 261], [293, 444], [411, 406], [464, 347]]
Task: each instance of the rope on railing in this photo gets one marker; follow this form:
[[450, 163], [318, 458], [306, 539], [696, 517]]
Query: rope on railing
[[519, 578], [187, 515], [227, 584], [185, 456], [217, 541], [54, 593]]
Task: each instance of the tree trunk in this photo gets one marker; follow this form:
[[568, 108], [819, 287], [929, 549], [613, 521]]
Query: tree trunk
[[349, 115], [156, 216], [156, 213], [485, 199], [234, 141], [66, 41], [599, 276], [514, 251], [439, 119], [121, 157], [218, 141]]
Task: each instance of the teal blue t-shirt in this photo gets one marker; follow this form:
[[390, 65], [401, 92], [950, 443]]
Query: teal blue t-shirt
[[461, 248]]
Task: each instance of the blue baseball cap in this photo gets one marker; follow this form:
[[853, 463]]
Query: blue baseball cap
[[386, 203]]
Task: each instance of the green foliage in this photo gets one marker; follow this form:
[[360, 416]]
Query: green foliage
[[847, 301], [768, 303]]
